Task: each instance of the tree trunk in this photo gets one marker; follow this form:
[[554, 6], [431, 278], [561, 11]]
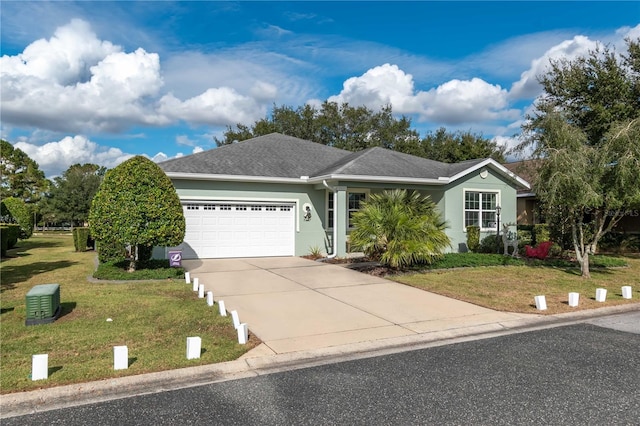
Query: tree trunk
[[584, 265]]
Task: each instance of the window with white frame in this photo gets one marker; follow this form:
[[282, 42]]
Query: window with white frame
[[480, 209], [354, 202]]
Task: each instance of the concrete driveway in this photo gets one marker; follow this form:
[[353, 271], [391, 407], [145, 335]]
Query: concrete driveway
[[294, 304]]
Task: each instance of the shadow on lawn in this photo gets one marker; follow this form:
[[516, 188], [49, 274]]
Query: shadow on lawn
[[12, 274]]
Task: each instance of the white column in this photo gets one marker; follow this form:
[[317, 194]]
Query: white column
[[210, 298], [193, 347], [626, 292], [574, 299], [187, 278], [223, 310], [243, 333], [196, 284], [541, 303], [201, 291], [39, 367], [601, 294], [120, 358], [236, 319]]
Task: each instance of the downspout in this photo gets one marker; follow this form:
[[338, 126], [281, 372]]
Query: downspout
[[335, 220]]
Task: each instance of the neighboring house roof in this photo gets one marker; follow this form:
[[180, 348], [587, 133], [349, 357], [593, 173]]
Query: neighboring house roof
[[528, 170], [277, 157]]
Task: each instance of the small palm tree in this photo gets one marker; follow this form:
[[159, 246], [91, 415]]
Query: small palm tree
[[400, 229]]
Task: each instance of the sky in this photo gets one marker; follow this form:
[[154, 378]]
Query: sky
[[99, 82]]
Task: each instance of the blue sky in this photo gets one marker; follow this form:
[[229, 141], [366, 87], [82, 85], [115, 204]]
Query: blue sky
[[102, 81]]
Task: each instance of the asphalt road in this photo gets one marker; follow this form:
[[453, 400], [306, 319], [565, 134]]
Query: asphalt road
[[582, 374]]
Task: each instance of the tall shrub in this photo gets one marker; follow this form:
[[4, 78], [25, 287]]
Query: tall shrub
[[137, 205], [80, 238], [473, 238], [19, 210]]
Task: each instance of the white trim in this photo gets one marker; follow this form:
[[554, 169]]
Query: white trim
[[498, 203], [387, 179], [245, 200], [526, 195], [235, 178], [492, 163]]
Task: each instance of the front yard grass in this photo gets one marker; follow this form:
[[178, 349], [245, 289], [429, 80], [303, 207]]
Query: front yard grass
[[153, 318], [513, 288]]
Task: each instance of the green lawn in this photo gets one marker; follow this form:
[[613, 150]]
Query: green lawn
[[513, 288], [153, 318]]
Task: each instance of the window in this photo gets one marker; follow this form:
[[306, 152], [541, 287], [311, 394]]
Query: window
[[480, 209], [354, 201]]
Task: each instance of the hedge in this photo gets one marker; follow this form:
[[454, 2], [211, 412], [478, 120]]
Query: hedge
[[110, 251], [10, 235], [80, 238], [473, 238]]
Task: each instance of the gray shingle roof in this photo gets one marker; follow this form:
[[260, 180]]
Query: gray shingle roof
[[273, 155], [277, 155]]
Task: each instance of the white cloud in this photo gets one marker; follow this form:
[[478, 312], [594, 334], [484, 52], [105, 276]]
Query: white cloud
[[75, 82], [454, 102], [528, 87], [214, 107], [56, 157]]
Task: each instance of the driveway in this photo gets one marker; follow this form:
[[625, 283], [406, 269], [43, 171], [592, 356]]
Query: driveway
[[294, 304]]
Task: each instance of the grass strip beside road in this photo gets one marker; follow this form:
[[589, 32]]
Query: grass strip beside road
[[513, 288], [153, 318]]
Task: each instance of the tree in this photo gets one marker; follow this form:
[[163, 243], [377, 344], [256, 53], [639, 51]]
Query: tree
[[72, 193], [400, 228], [341, 126], [16, 210], [460, 146], [20, 175], [137, 205], [586, 129]]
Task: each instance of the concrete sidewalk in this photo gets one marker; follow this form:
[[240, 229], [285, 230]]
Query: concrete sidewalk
[[294, 304]]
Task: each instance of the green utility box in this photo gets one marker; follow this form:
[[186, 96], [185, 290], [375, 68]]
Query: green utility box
[[43, 304]]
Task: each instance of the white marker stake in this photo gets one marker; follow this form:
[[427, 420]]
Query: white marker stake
[[574, 298], [210, 298], [193, 347], [187, 278], [39, 367], [243, 334], [120, 358], [196, 284], [236, 319], [201, 291], [626, 292], [541, 303], [223, 310], [601, 294]]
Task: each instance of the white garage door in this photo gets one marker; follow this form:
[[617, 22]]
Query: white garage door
[[218, 230]]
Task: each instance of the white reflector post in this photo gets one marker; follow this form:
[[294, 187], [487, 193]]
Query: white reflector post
[[236, 319], [196, 284], [39, 366], [541, 303], [187, 278], [120, 358], [201, 291], [626, 292], [601, 294], [210, 298], [243, 333], [574, 299], [223, 309], [193, 347]]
